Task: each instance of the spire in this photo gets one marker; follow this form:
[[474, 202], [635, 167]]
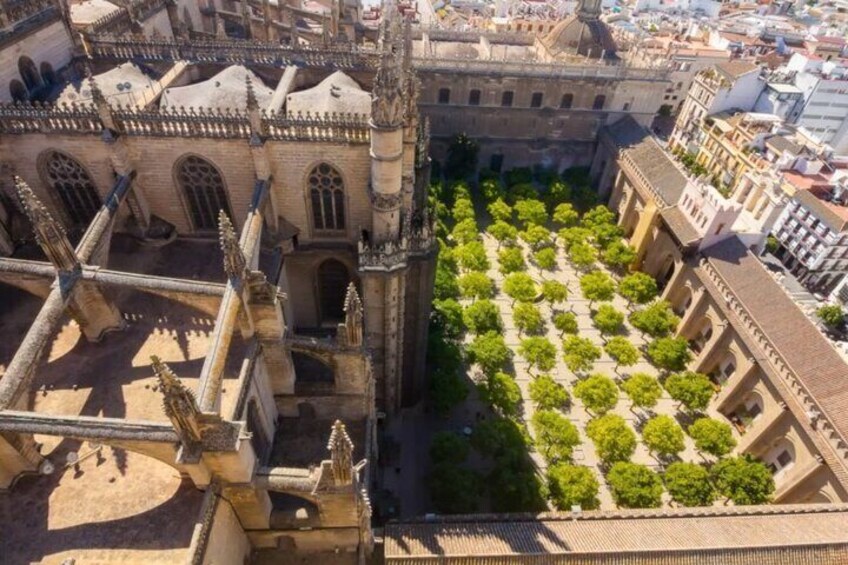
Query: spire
[[387, 95], [178, 403], [234, 262], [341, 454], [353, 317], [49, 234], [252, 103]]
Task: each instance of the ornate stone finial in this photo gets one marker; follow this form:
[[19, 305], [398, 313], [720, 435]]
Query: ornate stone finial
[[353, 317], [97, 95], [178, 403], [341, 454], [49, 234], [235, 264], [252, 102], [422, 143], [387, 95]]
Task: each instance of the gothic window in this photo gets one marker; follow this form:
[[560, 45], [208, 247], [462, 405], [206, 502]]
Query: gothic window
[[600, 100], [326, 197], [566, 101], [18, 91], [506, 98], [29, 73], [444, 96], [75, 189], [333, 279], [474, 98], [203, 187]]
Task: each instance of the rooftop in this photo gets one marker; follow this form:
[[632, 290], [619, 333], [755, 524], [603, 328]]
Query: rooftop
[[817, 200], [737, 68], [659, 169], [336, 93], [227, 89]]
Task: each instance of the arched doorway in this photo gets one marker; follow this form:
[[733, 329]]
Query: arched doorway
[[203, 188], [73, 185], [332, 282]]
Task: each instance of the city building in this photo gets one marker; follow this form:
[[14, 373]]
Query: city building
[[824, 83]]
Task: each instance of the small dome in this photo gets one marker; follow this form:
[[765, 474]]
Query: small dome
[[577, 35]]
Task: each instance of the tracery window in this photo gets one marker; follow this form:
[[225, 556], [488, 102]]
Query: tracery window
[[70, 181], [326, 196], [204, 191]]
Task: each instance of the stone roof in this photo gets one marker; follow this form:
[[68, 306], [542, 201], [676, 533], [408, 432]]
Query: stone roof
[[808, 354], [576, 35], [782, 143], [626, 132], [790, 534], [659, 169], [124, 84], [89, 11], [336, 93], [835, 219], [735, 69], [227, 89], [680, 225]]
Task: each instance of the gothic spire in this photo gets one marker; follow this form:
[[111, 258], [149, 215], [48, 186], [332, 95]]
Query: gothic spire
[[353, 317], [252, 102], [49, 234], [234, 262], [341, 454], [387, 95], [178, 402]]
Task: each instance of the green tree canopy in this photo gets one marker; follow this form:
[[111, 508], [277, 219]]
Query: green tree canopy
[[597, 216], [643, 389], [712, 436], [832, 315], [500, 211], [597, 286], [582, 255], [634, 486], [463, 209], [693, 390], [622, 352], [614, 440], [617, 255], [638, 288], [565, 322], [489, 351], [476, 285], [536, 236], [531, 211], [465, 231], [462, 157], [520, 286], [447, 314], [663, 436], [656, 319], [608, 320], [502, 232], [572, 485], [454, 489], [503, 439], [482, 316], [492, 189], [527, 318], [554, 292], [574, 234], [447, 389], [472, 256], [501, 392], [511, 260], [556, 437], [580, 353], [539, 352], [547, 394], [445, 285], [516, 488], [607, 234], [743, 480], [545, 258], [598, 393], [565, 215], [689, 484], [669, 353], [448, 447]]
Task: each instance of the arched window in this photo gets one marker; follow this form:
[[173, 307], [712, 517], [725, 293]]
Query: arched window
[[333, 280], [203, 187], [326, 196], [599, 102], [67, 178], [18, 91], [29, 73], [566, 101], [48, 76]]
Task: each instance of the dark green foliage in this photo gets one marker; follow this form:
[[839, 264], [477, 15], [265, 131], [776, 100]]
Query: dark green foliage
[[669, 353], [482, 316], [462, 157], [447, 315], [712, 436], [454, 490], [572, 485], [556, 437], [501, 392], [449, 447], [689, 484], [743, 480], [634, 486], [490, 352], [657, 319], [693, 390]]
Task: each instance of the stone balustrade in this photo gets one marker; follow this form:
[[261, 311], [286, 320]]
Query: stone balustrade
[[393, 255]]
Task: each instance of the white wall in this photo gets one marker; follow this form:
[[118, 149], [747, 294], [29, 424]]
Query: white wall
[[51, 44]]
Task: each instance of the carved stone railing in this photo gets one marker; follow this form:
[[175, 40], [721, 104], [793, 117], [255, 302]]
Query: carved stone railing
[[182, 122], [438, 34], [117, 22], [27, 16], [777, 362], [23, 9], [231, 51], [394, 255]]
